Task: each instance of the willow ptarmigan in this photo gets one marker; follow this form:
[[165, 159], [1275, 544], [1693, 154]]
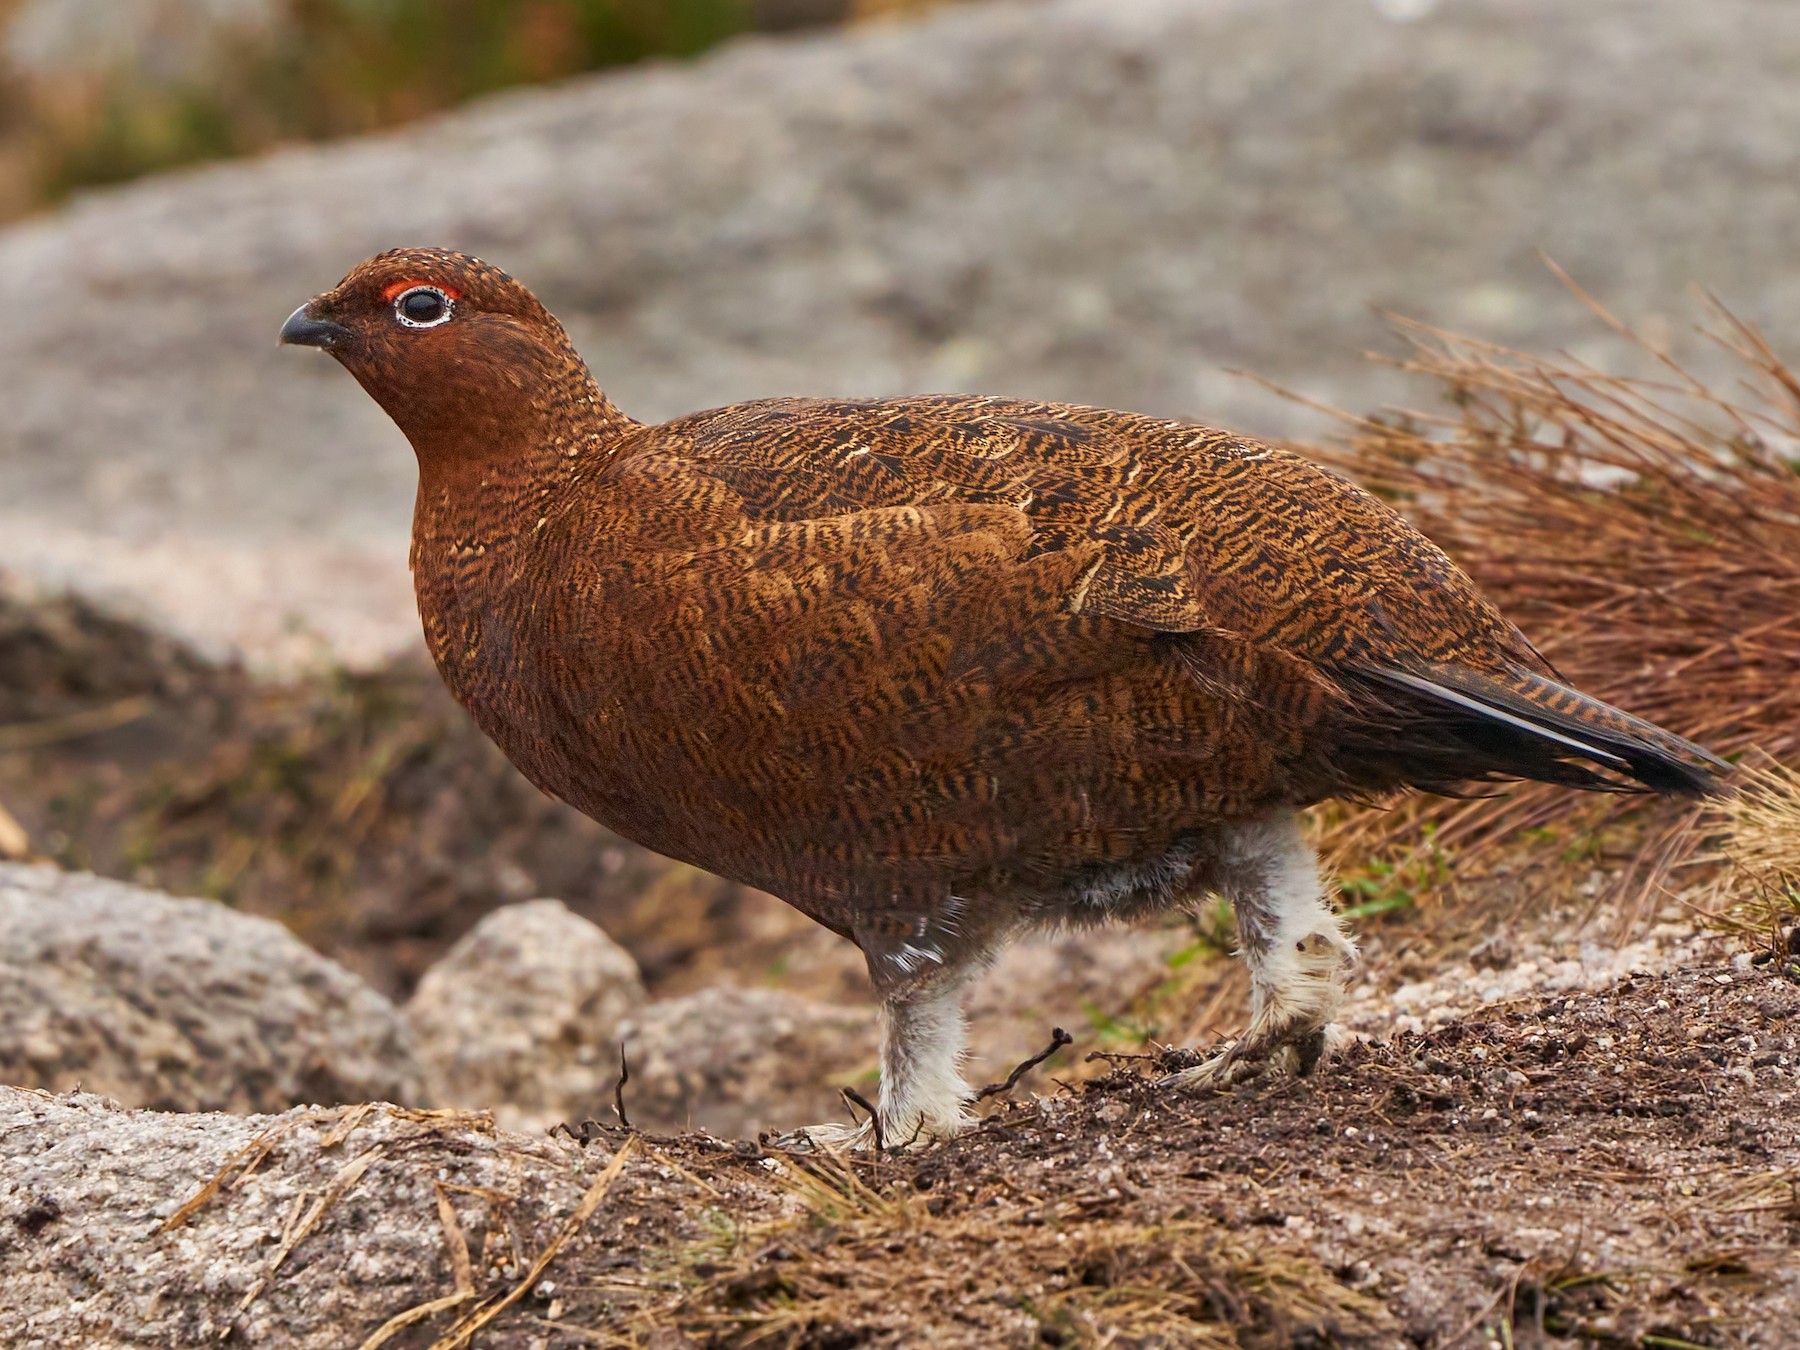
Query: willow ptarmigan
[[938, 670]]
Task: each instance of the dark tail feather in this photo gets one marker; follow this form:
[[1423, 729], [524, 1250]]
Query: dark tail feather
[[1525, 725]]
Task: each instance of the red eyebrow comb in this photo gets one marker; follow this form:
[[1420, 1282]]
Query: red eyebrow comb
[[394, 288]]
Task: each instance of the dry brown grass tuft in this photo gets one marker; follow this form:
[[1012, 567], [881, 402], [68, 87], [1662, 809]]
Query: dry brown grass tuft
[[1760, 828], [883, 1260], [1645, 534], [1762, 821]]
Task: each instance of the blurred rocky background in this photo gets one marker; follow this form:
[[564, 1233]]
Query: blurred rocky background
[[210, 677], [97, 91]]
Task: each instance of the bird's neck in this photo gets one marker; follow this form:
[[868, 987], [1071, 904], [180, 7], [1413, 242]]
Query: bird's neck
[[489, 474], [488, 485]]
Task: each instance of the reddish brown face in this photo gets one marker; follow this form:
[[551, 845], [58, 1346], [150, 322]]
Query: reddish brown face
[[441, 340]]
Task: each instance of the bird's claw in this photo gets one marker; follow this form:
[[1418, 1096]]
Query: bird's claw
[[1220, 1071], [1251, 1058]]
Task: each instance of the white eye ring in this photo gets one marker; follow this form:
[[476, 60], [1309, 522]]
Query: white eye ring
[[400, 307]]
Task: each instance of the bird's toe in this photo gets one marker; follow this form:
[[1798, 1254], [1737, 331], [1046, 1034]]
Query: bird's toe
[[828, 1138], [1220, 1071], [853, 1138], [1297, 1050]]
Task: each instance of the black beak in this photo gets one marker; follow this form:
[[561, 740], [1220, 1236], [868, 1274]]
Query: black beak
[[302, 330]]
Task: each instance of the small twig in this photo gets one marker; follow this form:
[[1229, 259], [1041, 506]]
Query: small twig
[[1058, 1039], [856, 1098], [462, 1269], [245, 1161], [400, 1321], [346, 1125], [675, 1167], [1118, 1057], [619, 1088]]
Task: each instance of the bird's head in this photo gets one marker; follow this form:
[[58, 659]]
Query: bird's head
[[452, 348]]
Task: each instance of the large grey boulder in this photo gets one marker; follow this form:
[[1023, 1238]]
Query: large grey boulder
[[336, 1221], [1078, 199], [523, 1016], [182, 1004]]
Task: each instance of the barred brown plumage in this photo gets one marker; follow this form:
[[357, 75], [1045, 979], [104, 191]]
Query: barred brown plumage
[[937, 669]]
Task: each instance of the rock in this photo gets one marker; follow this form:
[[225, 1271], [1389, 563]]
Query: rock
[[84, 1186], [737, 1061], [523, 1014], [182, 1004], [1077, 199]]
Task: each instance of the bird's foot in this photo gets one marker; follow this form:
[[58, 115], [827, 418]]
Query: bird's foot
[[1297, 985], [1295, 1050], [829, 1138], [855, 1138]]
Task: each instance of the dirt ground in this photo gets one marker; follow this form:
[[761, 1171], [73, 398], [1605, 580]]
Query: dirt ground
[[1617, 1169], [1611, 1169]]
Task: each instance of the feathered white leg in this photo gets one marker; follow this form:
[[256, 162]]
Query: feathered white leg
[[923, 1095], [1296, 948]]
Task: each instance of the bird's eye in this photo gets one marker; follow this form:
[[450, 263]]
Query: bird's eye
[[422, 307]]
